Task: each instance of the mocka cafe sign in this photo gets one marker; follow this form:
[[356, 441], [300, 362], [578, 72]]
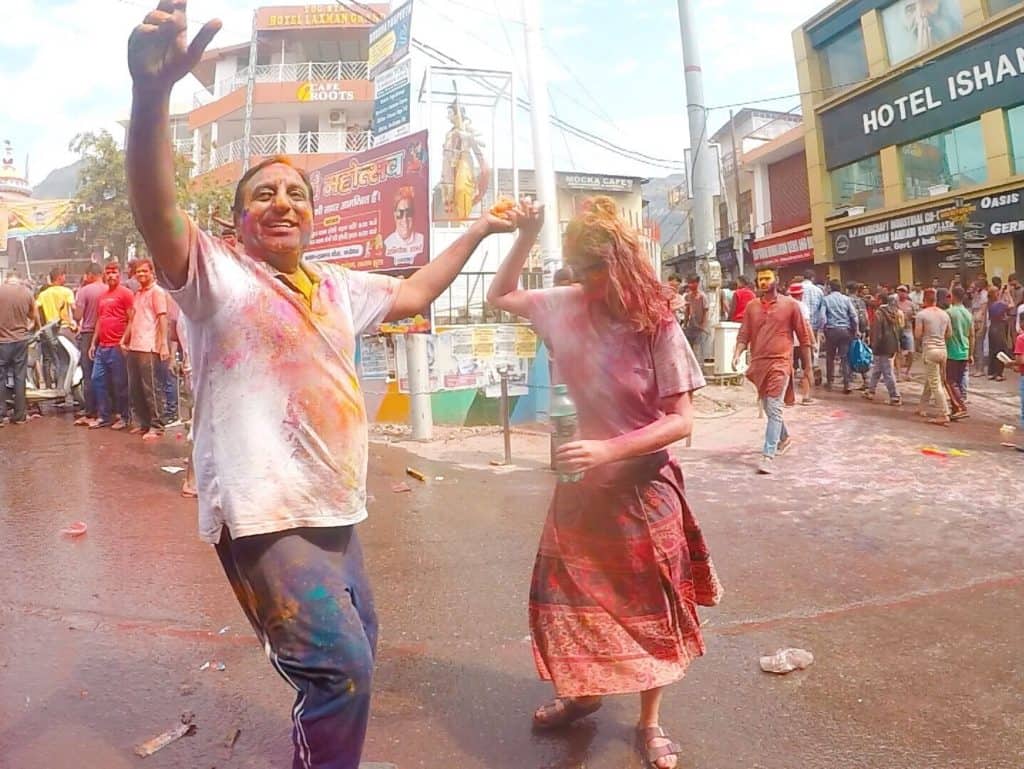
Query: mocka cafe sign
[[985, 74]]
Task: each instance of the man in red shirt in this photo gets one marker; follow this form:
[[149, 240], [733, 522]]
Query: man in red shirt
[[108, 359], [769, 328], [744, 295]]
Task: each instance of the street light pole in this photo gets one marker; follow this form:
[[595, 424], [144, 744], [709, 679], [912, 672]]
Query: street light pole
[[551, 257]]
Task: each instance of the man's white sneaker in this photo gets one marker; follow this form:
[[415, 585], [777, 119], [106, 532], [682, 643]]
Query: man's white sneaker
[[767, 466]]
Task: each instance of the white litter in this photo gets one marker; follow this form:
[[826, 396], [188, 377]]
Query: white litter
[[173, 470]]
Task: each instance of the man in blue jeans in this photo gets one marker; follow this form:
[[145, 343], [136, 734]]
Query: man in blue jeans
[[769, 327], [18, 316], [838, 317], [109, 367]]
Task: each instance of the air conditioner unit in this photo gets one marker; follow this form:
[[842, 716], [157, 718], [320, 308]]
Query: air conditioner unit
[[336, 118]]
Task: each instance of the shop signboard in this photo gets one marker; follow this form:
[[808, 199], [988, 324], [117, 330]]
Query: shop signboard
[[991, 216], [784, 249], [391, 103], [390, 40]]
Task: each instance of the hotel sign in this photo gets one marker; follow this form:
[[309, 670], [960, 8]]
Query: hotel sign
[[308, 16], [985, 74]]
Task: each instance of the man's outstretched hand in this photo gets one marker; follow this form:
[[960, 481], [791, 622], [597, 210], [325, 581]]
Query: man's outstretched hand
[[159, 54]]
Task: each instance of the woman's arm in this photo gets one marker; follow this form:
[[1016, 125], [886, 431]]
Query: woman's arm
[[504, 292], [676, 424]]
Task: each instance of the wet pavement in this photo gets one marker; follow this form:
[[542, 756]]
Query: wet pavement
[[901, 571]]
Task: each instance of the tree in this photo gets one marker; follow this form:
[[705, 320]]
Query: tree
[[102, 212], [202, 198]]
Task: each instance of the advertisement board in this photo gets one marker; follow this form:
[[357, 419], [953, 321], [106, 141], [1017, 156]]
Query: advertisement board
[[391, 103], [389, 40], [371, 210]]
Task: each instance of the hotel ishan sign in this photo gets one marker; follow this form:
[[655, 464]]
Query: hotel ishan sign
[[309, 16], [954, 88]]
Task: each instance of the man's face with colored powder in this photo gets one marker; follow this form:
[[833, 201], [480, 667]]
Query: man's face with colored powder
[[765, 280], [112, 276], [277, 216]]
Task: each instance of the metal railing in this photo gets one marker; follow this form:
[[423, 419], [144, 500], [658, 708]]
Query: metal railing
[[304, 143], [296, 72], [464, 303]]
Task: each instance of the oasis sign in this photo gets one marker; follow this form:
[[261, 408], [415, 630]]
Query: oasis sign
[[985, 74], [999, 215]]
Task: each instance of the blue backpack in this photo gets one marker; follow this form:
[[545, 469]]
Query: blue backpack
[[860, 356]]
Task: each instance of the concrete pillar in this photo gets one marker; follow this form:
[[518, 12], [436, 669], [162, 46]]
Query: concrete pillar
[[421, 417], [892, 176], [998, 155], [907, 269], [999, 259], [762, 198], [874, 43], [974, 13]]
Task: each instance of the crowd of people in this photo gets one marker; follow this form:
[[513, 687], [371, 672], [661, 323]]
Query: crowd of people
[[959, 331], [131, 340]]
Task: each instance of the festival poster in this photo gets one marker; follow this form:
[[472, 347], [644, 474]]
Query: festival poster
[[372, 209]]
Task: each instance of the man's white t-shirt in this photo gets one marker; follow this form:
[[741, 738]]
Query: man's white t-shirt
[[403, 252], [280, 424]]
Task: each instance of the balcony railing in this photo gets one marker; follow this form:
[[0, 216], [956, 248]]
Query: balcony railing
[[306, 143], [285, 73]]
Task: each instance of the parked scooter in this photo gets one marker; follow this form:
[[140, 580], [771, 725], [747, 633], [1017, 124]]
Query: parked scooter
[[67, 359]]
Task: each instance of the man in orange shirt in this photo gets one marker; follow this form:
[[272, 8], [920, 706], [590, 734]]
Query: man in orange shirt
[[769, 327]]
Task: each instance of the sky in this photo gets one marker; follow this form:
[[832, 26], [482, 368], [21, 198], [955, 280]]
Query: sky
[[614, 68]]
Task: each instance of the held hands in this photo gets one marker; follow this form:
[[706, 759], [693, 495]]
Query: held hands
[[159, 54], [581, 456], [527, 217]]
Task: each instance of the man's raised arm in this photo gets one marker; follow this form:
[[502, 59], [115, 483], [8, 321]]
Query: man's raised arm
[[158, 57]]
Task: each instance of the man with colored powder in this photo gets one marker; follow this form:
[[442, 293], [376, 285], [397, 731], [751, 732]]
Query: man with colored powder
[[146, 345], [280, 425], [695, 315], [109, 371], [87, 302], [959, 352], [769, 327], [744, 295]]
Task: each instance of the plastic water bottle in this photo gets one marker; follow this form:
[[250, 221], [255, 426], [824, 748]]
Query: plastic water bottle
[[563, 416]]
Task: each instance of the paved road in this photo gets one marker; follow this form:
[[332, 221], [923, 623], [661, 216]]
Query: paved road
[[902, 572]]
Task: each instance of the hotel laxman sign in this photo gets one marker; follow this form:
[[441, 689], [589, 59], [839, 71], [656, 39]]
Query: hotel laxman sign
[[984, 74], [284, 16]]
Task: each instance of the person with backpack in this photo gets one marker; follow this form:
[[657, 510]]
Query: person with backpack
[[886, 331]]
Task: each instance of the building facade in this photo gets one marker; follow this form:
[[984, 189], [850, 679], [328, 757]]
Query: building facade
[[913, 113], [312, 98], [782, 204]]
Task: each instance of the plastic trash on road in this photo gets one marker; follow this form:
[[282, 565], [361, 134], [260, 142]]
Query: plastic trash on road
[[786, 661], [185, 728], [76, 529]]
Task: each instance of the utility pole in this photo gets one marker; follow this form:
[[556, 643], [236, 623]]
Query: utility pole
[[703, 173], [250, 92], [739, 232], [550, 237]]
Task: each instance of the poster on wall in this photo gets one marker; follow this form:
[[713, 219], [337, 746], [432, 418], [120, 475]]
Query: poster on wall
[[371, 209], [471, 357], [391, 103], [389, 40]]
